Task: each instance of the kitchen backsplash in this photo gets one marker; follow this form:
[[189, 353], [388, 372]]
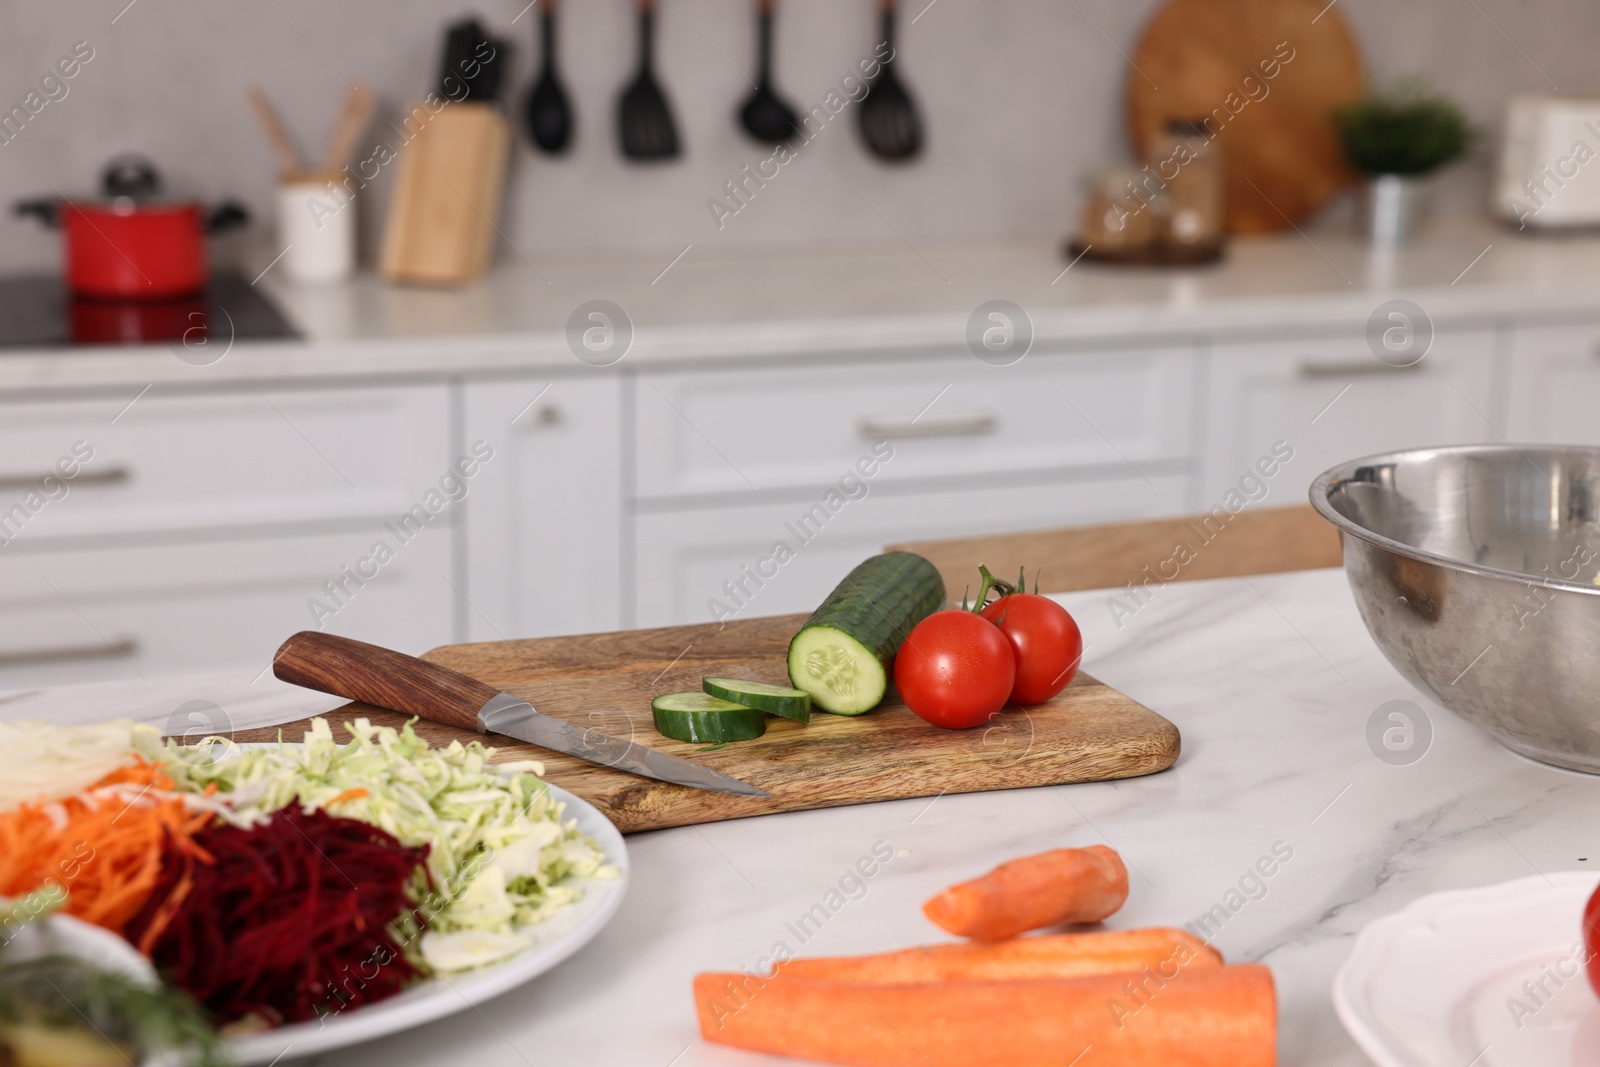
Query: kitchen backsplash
[[1020, 98]]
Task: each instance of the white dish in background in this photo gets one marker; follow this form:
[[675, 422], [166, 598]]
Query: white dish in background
[[435, 998], [1440, 983]]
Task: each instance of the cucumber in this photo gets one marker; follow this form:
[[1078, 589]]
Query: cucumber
[[841, 655], [773, 699], [700, 717]]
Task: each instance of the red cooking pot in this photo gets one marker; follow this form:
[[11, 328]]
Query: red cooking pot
[[133, 243]]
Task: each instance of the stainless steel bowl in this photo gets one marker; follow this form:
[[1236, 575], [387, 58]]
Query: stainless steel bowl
[[1474, 570]]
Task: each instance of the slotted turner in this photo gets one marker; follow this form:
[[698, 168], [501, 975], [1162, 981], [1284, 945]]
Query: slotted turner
[[644, 118], [887, 116]]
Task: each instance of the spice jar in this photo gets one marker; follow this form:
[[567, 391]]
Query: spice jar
[[1120, 214], [1188, 163]]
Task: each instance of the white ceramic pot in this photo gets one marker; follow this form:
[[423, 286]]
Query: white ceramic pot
[[317, 223]]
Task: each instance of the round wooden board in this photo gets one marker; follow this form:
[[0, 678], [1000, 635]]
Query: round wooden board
[[1212, 58]]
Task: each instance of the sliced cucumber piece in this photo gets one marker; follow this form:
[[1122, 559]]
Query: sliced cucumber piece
[[773, 699], [841, 655], [842, 674], [702, 717]]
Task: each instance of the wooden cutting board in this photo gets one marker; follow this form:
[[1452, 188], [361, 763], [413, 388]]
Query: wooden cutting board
[[1282, 158], [1088, 733]]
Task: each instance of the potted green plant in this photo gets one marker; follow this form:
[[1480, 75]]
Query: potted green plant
[[1396, 138]]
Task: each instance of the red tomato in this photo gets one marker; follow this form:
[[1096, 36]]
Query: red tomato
[[1046, 640], [1591, 938], [955, 669]]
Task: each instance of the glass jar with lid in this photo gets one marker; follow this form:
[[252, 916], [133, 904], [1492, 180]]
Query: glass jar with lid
[[1120, 215], [1188, 161]]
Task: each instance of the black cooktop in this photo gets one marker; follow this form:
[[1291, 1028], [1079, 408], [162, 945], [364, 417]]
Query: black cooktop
[[37, 312]]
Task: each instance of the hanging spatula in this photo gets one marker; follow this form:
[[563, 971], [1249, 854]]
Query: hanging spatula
[[644, 118]]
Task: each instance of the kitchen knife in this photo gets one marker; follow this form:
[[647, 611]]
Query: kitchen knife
[[388, 679]]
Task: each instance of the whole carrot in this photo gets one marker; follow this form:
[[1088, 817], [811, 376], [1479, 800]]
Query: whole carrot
[[1162, 949], [1206, 1017], [1065, 885]]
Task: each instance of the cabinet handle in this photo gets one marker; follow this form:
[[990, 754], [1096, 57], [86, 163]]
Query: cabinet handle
[[126, 648], [876, 429], [1352, 368], [109, 476]]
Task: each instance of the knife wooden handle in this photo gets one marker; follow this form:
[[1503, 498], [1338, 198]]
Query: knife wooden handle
[[359, 671]]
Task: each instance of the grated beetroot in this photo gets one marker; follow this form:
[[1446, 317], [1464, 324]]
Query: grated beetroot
[[288, 920]]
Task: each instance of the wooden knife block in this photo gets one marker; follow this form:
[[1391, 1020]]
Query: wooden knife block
[[442, 220]]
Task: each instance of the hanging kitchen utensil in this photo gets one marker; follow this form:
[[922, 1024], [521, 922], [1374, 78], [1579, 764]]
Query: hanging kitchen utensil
[[387, 679], [765, 116], [887, 116], [549, 113], [644, 118], [133, 242]]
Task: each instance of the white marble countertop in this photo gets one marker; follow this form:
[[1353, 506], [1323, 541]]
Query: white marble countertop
[[1272, 681], [719, 305]]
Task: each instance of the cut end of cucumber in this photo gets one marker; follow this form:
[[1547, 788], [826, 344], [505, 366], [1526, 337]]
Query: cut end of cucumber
[[701, 717], [841, 674], [778, 700]]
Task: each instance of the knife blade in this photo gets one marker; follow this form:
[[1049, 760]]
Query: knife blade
[[356, 670], [515, 717]]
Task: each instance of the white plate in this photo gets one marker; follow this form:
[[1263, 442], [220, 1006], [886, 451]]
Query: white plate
[[1492, 977], [62, 935], [435, 998]]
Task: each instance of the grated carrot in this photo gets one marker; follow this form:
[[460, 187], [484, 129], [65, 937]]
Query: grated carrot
[[103, 846]]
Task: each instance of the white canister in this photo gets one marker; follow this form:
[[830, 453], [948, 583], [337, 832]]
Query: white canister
[[317, 223]]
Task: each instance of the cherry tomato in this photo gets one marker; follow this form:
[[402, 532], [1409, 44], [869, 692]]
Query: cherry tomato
[[1047, 642], [955, 669], [1591, 938]]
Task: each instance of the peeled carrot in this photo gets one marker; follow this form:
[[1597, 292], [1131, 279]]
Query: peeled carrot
[[102, 846], [1204, 1017], [1054, 956], [1065, 885]]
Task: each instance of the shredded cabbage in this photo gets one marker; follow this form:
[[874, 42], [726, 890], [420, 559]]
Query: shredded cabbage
[[502, 860], [41, 762]]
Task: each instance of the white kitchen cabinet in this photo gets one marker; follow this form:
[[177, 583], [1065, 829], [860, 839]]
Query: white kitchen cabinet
[[89, 615], [1555, 385], [246, 457], [683, 558], [801, 427], [1331, 400], [545, 515]]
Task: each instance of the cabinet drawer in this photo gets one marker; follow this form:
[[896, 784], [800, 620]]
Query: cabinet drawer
[[787, 429], [100, 614], [1332, 400], [683, 559], [1555, 385], [238, 458]]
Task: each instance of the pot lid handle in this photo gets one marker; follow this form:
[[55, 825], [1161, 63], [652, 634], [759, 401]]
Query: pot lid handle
[[131, 175]]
